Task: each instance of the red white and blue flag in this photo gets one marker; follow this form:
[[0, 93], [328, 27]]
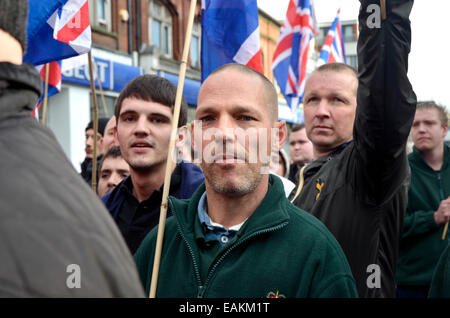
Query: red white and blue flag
[[230, 34], [54, 82], [291, 54], [57, 30], [333, 50]]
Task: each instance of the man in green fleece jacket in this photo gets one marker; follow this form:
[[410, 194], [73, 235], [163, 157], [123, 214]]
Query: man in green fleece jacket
[[428, 202], [239, 236]]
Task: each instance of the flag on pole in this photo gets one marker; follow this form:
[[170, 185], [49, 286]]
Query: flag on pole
[[333, 50], [54, 82], [57, 30], [291, 54], [230, 34]]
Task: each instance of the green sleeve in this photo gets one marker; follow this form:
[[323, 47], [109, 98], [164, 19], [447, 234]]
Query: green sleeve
[[144, 260], [418, 222], [440, 284]]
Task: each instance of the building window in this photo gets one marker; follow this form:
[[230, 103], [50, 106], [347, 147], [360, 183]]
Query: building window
[[352, 60], [100, 14], [347, 33], [195, 45], [160, 27], [110, 101]]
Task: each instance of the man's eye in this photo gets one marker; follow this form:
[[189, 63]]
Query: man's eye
[[246, 118], [310, 100], [206, 118], [128, 118], [158, 120]]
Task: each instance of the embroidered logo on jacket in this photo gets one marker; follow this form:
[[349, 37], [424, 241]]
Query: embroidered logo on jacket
[[319, 186], [275, 295]]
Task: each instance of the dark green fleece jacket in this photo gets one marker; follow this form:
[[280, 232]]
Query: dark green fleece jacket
[[421, 243], [280, 250]]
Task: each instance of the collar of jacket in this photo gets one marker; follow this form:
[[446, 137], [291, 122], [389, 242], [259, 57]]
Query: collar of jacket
[[22, 78], [315, 166], [270, 214], [417, 157]]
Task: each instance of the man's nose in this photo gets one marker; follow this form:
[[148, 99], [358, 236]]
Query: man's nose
[[114, 180], [142, 126], [323, 109]]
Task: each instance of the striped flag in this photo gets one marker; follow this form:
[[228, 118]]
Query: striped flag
[[291, 54], [230, 34], [54, 82], [333, 50], [57, 30]]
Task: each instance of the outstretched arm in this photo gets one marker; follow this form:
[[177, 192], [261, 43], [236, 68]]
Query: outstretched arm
[[386, 101]]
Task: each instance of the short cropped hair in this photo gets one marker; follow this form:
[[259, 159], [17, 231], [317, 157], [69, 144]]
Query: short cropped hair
[[271, 96], [338, 68], [442, 111], [297, 127], [113, 152], [152, 88]]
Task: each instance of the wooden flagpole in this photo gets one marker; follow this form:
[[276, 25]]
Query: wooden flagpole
[[383, 9], [444, 233], [99, 81], [95, 121], [44, 103], [169, 164]]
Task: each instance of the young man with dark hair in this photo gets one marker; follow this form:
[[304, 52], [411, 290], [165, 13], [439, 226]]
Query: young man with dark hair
[[239, 236], [144, 113], [57, 239], [428, 202], [112, 169], [358, 123]]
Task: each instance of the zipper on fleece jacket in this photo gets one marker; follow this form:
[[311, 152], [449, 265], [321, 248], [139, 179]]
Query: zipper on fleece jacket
[[201, 289], [232, 247]]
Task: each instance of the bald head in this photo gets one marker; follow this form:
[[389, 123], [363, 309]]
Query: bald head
[[269, 94], [339, 68]]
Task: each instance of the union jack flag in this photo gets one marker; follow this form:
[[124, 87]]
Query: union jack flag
[[57, 30], [230, 34], [333, 50], [291, 54]]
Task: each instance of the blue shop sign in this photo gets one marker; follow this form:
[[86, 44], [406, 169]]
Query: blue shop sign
[[190, 89], [114, 76]]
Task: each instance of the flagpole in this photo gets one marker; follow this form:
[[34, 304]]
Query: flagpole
[[383, 9], [44, 104], [99, 81], [169, 163], [95, 122]]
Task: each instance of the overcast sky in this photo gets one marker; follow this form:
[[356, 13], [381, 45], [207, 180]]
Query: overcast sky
[[429, 65]]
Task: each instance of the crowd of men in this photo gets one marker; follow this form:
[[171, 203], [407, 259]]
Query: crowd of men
[[349, 213]]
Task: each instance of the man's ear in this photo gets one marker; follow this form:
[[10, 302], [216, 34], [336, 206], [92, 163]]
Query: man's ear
[[445, 130], [281, 134], [182, 136]]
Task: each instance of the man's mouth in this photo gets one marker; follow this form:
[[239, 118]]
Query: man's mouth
[[141, 145]]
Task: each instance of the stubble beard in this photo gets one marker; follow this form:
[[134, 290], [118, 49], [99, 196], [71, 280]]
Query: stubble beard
[[246, 183]]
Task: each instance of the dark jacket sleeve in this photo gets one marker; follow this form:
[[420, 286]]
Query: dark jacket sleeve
[[386, 101]]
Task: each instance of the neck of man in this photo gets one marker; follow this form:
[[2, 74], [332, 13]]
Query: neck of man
[[434, 157], [11, 49], [146, 181], [229, 211]]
